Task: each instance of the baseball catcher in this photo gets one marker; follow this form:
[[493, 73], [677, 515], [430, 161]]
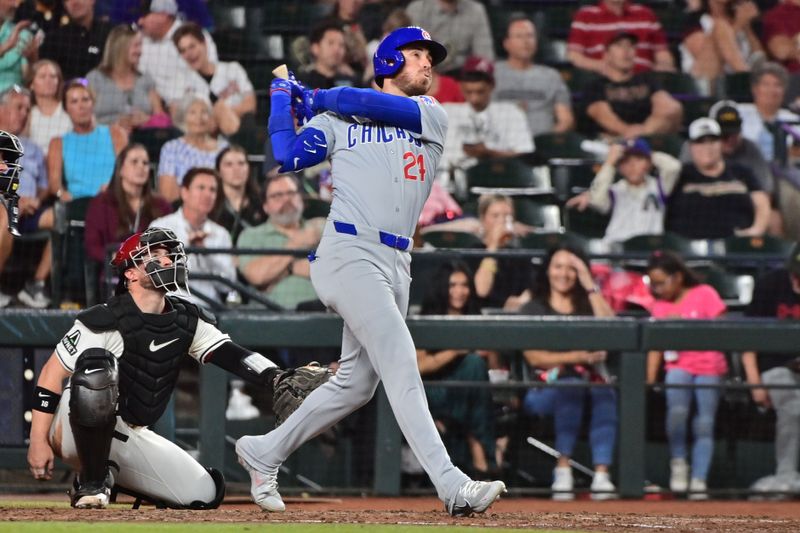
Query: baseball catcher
[[10, 170], [122, 359]]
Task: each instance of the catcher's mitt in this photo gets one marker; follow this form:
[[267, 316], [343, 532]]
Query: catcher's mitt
[[291, 387]]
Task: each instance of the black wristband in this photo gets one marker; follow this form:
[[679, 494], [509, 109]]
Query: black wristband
[[45, 400]]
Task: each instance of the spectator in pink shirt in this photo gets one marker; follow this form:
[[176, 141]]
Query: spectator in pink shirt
[[680, 295]]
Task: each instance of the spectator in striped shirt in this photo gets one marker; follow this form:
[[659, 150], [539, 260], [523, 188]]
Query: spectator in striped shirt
[[593, 27]]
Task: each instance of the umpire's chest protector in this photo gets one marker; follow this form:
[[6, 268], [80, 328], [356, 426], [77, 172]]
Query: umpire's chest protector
[[154, 346]]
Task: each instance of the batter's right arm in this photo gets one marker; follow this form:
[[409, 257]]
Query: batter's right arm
[[294, 151]]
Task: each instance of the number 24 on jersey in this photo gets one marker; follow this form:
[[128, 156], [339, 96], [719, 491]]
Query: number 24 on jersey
[[414, 167]]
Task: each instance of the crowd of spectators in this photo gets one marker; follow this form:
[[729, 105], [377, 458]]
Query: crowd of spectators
[[78, 81]]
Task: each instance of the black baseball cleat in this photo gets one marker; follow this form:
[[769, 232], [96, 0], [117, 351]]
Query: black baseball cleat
[[474, 497], [89, 495]]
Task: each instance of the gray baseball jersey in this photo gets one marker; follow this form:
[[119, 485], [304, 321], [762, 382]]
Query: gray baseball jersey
[[381, 177]]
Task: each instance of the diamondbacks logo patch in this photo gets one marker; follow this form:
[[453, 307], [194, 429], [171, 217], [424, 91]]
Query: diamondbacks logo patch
[[70, 341]]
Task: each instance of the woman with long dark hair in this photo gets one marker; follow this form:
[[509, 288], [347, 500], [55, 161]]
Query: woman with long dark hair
[[564, 287], [241, 205], [126, 207], [679, 294], [463, 415]]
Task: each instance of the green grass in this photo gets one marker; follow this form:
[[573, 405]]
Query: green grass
[[118, 527]]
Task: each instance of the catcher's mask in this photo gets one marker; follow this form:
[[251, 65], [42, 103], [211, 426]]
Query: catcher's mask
[[11, 151], [140, 250]]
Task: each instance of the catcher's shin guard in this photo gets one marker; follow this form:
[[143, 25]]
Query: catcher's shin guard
[[92, 416]]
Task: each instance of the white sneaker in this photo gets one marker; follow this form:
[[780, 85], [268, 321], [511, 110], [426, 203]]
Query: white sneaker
[[263, 485], [679, 474], [602, 488], [33, 295], [240, 406], [697, 489], [5, 299], [474, 497], [562, 484]]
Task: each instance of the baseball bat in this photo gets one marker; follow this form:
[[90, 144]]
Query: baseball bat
[[281, 71], [555, 453]]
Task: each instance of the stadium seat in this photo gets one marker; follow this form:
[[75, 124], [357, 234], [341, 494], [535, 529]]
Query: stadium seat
[[154, 138], [452, 239], [507, 173], [538, 214], [548, 240], [565, 145], [736, 86], [670, 144], [588, 223], [677, 83], [571, 178], [729, 285], [757, 245], [664, 241]]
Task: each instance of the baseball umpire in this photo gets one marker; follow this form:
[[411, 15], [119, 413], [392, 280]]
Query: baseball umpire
[[384, 147], [123, 358]]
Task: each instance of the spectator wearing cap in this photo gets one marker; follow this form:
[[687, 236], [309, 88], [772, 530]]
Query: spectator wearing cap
[[538, 89], [481, 128], [773, 129], [781, 33], [462, 26], [637, 202], [714, 199], [329, 67], [160, 58], [626, 104], [78, 46], [593, 26], [735, 148], [777, 295]]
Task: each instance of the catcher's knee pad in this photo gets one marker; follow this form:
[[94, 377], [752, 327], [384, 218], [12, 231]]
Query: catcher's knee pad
[[219, 484], [94, 389]]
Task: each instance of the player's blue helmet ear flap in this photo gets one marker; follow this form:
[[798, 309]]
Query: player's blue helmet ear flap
[[388, 58], [11, 152]]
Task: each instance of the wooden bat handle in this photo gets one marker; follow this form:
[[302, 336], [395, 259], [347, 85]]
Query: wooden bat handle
[[281, 71]]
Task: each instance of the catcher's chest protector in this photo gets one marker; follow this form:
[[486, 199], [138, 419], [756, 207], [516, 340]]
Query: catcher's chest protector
[[154, 346]]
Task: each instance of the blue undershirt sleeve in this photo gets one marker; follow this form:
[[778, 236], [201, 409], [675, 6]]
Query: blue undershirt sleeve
[[398, 111]]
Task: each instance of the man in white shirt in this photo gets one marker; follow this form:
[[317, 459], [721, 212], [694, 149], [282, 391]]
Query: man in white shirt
[[480, 128], [193, 228], [161, 60]]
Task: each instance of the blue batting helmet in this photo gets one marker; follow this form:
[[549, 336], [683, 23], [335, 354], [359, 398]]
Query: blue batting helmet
[[388, 58]]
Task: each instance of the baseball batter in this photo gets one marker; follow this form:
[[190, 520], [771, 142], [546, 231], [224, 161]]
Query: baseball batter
[[384, 148], [122, 359]]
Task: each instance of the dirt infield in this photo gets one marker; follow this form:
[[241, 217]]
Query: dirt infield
[[672, 516]]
